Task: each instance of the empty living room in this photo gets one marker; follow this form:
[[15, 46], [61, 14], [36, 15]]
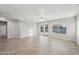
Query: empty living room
[[39, 29]]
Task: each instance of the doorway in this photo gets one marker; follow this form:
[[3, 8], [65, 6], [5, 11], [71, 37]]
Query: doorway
[[3, 29], [44, 29]]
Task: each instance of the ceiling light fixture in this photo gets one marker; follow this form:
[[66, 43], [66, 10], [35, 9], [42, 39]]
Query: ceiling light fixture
[[42, 15], [42, 18]]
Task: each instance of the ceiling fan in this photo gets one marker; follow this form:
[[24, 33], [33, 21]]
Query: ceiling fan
[[41, 16]]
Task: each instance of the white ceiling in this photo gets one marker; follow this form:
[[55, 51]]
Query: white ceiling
[[31, 12]]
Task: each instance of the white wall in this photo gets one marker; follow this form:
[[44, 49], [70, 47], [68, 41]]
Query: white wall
[[69, 22], [13, 29], [77, 29], [27, 29], [21, 29], [24, 29]]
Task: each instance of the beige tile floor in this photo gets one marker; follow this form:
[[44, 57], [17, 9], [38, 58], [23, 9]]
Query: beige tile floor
[[40, 45]]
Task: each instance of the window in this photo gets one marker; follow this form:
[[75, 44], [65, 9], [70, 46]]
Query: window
[[46, 28], [62, 30], [59, 29], [42, 29], [55, 28]]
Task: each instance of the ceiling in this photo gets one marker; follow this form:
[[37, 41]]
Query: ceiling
[[31, 12]]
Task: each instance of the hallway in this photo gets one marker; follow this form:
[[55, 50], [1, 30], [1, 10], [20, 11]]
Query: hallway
[[38, 45]]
